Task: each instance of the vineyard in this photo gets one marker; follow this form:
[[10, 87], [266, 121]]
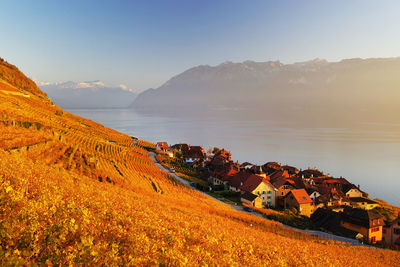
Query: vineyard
[[75, 192]]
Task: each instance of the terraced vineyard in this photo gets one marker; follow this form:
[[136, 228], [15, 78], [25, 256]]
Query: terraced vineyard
[[36, 128], [73, 192]]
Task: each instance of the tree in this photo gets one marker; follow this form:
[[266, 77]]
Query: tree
[[216, 149], [178, 154]]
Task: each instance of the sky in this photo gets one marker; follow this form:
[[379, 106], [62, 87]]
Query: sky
[[144, 43]]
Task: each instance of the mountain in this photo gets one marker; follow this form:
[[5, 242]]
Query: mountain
[[74, 192], [92, 94], [317, 90]]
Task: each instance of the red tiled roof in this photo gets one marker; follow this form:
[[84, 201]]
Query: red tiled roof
[[182, 147], [278, 174], [225, 172], [239, 179], [282, 181], [163, 145], [301, 196], [194, 152], [249, 196]]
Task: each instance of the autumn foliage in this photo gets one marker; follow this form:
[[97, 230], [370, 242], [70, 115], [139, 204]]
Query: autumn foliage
[[75, 192]]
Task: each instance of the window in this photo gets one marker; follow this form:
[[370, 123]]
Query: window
[[268, 197], [396, 231], [269, 192], [263, 192], [282, 193], [376, 229]]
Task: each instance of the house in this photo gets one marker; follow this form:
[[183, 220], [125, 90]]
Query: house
[[311, 173], [194, 153], [278, 174], [329, 219], [271, 167], [391, 233], [314, 194], [184, 148], [220, 159], [290, 169], [222, 177], [368, 223], [238, 180], [351, 190], [246, 165], [162, 146], [299, 200], [284, 186], [251, 199], [363, 203], [332, 198], [261, 187]]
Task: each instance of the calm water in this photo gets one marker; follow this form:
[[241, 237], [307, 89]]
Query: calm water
[[367, 157]]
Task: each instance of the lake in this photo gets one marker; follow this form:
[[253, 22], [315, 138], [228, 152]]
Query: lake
[[366, 155]]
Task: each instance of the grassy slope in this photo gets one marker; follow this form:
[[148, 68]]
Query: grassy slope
[[69, 195]]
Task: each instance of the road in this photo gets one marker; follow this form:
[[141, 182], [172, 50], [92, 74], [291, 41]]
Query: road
[[239, 208]]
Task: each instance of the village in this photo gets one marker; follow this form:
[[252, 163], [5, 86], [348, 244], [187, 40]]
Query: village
[[301, 198]]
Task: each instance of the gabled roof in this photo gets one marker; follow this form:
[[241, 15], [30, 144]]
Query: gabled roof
[[181, 147], [328, 197], [195, 152], [362, 217], [282, 181], [270, 167], [290, 169], [224, 173], [278, 174], [246, 164], [347, 187], [311, 173], [163, 145], [239, 179], [249, 196], [253, 181], [298, 182], [301, 196]]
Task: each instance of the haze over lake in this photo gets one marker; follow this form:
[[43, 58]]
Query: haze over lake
[[365, 154]]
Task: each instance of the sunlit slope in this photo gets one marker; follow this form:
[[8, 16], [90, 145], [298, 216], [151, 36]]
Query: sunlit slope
[[73, 191]]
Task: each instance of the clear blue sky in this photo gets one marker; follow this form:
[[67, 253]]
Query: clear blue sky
[[144, 43]]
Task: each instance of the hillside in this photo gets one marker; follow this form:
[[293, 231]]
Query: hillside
[[10, 75], [92, 94], [75, 192], [312, 92]]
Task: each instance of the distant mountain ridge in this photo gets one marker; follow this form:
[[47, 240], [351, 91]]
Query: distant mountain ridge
[[351, 87], [89, 94]]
